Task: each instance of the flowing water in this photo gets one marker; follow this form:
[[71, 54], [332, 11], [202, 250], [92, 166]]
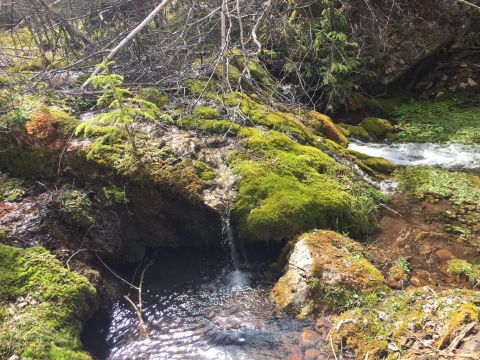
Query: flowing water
[[198, 306], [449, 156]]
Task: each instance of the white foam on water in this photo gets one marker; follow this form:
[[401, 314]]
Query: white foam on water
[[449, 156]]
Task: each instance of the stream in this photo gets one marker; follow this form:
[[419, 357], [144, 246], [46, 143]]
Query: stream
[[198, 306], [449, 156], [207, 304]]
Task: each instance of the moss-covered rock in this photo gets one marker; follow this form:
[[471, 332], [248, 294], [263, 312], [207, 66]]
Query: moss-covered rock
[[76, 208], [12, 189], [324, 125], [380, 164], [154, 96], [377, 128], [355, 132], [403, 321], [264, 115], [464, 268], [206, 112], [327, 272], [285, 188], [42, 306]]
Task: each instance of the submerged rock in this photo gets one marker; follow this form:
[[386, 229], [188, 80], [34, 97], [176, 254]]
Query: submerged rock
[[327, 271]]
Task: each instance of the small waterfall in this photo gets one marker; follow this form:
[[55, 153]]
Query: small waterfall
[[228, 238]]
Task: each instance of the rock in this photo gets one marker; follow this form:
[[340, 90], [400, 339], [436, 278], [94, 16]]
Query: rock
[[415, 281], [444, 254], [313, 354], [309, 338], [292, 290], [295, 354], [326, 271], [471, 82], [433, 319]]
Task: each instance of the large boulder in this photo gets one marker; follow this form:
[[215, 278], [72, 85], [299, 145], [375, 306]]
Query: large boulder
[[327, 271]]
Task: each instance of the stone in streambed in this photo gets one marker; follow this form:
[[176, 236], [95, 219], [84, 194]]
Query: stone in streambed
[[327, 271], [444, 254], [309, 338], [313, 354]]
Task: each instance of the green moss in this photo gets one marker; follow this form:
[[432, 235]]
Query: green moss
[[377, 128], [286, 188], [206, 112], [209, 126], [355, 132], [463, 267], [76, 209], [454, 120], [380, 164], [204, 171], [260, 114], [12, 189], [114, 195], [371, 329], [154, 96], [42, 305], [207, 89]]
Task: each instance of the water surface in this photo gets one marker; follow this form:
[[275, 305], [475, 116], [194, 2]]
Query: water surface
[[449, 156], [197, 306]]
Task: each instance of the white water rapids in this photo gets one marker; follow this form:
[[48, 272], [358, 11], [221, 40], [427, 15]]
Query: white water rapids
[[449, 156]]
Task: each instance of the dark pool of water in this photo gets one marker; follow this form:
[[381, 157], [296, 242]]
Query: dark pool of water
[[197, 306]]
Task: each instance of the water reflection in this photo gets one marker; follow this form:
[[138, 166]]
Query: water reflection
[[199, 307]]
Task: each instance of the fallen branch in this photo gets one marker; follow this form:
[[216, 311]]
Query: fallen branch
[[469, 4], [126, 40]]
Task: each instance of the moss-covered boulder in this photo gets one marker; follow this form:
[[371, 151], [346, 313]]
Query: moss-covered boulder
[[406, 322], [355, 132], [285, 188], [76, 209], [377, 128], [12, 189], [327, 271], [42, 306], [324, 125]]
